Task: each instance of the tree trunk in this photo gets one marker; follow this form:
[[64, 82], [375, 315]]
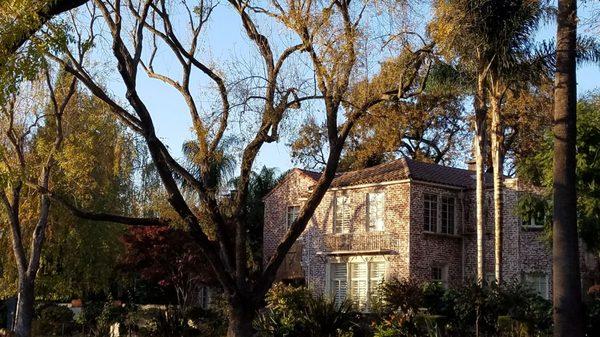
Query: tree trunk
[[567, 310], [498, 167], [480, 130], [25, 306], [240, 320]]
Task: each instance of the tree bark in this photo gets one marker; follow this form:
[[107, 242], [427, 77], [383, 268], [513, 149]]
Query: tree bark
[[241, 316], [25, 306], [567, 310], [498, 167], [480, 143]]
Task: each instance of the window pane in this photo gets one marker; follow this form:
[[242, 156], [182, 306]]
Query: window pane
[[292, 215], [447, 216], [430, 213], [538, 283]]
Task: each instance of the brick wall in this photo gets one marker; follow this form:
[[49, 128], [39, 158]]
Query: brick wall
[[428, 250], [415, 252]]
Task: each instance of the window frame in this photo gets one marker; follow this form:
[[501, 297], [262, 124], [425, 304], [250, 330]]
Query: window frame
[[529, 277], [439, 209], [369, 298], [533, 223], [427, 212], [441, 214], [443, 277], [287, 214]]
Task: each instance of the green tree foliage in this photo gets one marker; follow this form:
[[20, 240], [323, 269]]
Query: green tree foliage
[[94, 169], [537, 169], [430, 127]]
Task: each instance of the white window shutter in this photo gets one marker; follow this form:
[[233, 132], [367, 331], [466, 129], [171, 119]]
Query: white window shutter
[[375, 205], [339, 281], [359, 283]]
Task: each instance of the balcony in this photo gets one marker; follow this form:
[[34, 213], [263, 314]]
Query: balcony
[[360, 242]]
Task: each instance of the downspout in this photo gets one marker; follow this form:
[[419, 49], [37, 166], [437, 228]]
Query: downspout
[[462, 221]]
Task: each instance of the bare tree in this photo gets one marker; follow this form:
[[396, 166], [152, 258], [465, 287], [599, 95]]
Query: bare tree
[[327, 37]]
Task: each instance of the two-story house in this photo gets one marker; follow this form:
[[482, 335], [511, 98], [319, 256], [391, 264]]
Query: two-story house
[[404, 219]]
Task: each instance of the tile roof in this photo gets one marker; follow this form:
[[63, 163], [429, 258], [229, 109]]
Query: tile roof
[[404, 168]]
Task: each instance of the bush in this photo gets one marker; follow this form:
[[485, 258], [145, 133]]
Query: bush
[[592, 310], [401, 295], [96, 318], [295, 311], [283, 314], [174, 322], [325, 318], [430, 309], [53, 320]]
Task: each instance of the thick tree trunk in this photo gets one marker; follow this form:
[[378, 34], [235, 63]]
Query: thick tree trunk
[[567, 311], [240, 320], [498, 166], [25, 307], [480, 140]]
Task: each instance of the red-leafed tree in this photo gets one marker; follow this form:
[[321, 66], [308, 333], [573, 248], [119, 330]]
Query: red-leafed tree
[[168, 257]]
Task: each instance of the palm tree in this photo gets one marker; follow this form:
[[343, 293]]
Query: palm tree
[[513, 66], [457, 31], [494, 39], [567, 306]]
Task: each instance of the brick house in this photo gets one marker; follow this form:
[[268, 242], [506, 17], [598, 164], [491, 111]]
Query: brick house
[[404, 219]]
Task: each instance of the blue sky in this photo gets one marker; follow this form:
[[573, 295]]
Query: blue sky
[[225, 41]]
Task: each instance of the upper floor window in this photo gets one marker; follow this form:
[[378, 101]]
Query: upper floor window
[[447, 215], [341, 220], [533, 210], [430, 212], [292, 215], [537, 282], [375, 211], [439, 214]]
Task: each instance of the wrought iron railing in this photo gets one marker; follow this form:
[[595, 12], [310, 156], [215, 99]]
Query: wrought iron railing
[[361, 241]]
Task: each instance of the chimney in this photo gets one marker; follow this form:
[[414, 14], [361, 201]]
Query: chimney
[[471, 165]]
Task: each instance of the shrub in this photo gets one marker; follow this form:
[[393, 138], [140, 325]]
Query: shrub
[[430, 309], [592, 309], [324, 317], [402, 295], [96, 318], [295, 311], [53, 320], [206, 322]]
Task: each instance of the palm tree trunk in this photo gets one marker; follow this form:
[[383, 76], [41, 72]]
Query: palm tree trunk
[[480, 141], [498, 167], [567, 310]]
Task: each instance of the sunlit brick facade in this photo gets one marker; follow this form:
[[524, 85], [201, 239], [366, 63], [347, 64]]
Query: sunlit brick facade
[[403, 219]]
